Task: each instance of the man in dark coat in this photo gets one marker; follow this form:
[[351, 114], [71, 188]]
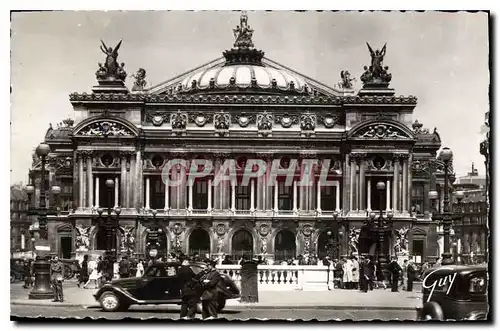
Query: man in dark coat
[[209, 283], [27, 274], [56, 277], [410, 274], [395, 270], [124, 267], [191, 290], [367, 275]]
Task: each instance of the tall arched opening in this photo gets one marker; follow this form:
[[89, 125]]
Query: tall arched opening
[[199, 242], [242, 244], [284, 245]]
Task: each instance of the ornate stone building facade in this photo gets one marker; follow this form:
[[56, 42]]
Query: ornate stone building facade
[[239, 107]]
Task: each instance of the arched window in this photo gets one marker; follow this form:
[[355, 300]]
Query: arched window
[[199, 242], [242, 244]]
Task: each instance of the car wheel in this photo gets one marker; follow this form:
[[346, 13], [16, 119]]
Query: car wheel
[[109, 302], [221, 303], [432, 311]]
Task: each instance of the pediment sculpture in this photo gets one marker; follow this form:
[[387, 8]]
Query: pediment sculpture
[[105, 129], [111, 70], [376, 73], [381, 131]]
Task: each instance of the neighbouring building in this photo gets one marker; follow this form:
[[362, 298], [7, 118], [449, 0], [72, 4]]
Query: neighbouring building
[[20, 223], [243, 106]]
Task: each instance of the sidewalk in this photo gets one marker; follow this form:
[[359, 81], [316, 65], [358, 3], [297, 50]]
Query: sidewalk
[[336, 299]]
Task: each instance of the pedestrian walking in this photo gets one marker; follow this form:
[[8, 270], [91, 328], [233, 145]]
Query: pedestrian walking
[[404, 280], [355, 272], [83, 277], [371, 274], [410, 276], [364, 275], [209, 283], [94, 274], [395, 270], [124, 267], [190, 290], [56, 277], [140, 269], [347, 277], [28, 274]]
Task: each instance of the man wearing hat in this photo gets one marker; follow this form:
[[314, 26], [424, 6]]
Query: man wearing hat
[[209, 283]]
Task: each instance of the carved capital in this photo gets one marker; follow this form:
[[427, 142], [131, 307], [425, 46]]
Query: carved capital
[[358, 157], [126, 154], [398, 157], [85, 153]]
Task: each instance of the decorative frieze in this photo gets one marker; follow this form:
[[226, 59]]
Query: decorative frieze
[[264, 124], [105, 129], [243, 119], [381, 131], [222, 121], [200, 119], [286, 120]]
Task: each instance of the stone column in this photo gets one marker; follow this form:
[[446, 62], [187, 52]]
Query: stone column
[[268, 197], [190, 196], [90, 189], [409, 182], [318, 196], [167, 197], [233, 196], [275, 207], [294, 195], [368, 195], [132, 179], [97, 191], [395, 182], [81, 182], [123, 180], [351, 182], [209, 207], [404, 195], [138, 189], [361, 185], [217, 188], [148, 192], [117, 195], [252, 195], [337, 196], [127, 185], [388, 195]]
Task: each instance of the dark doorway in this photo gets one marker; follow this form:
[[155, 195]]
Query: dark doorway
[[242, 244], [106, 195], [66, 247], [199, 242], [284, 245], [102, 239], [377, 197]]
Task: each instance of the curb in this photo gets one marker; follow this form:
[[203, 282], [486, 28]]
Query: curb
[[231, 307]]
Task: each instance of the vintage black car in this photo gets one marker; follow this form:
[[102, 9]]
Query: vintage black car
[[159, 285], [454, 292]]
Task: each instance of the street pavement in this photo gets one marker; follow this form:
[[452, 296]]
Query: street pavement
[[306, 305], [243, 313]]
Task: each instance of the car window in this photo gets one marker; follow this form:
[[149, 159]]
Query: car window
[[170, 271], [477, 285], [152, 272]]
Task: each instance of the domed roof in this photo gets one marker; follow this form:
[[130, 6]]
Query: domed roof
[[243, 71], [244, 77]]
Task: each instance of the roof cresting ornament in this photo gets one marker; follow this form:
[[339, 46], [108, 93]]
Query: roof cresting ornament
[[243, 33]]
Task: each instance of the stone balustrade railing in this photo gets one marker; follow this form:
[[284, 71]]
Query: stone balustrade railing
[[285, 278]]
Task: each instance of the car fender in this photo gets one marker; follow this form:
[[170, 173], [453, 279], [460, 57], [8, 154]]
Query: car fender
[[122, 294]]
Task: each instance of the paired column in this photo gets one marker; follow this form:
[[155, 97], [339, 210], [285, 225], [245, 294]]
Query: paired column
[[294, 195], [275, 208], [368, 195], [148, 192], [117, 195], [138, 189], [97, 191], [252, 195], [337, 196], [209, 207], [318, 195], [404, 195], [167, 197], [123, 180], [352, 169], [388, 195], [395, 182], [361, 182], [81, 183], [90, 188]]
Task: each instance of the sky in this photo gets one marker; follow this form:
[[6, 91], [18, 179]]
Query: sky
[[441, 58]]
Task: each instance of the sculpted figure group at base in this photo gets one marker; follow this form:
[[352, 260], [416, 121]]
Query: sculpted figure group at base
[[111, 69], [376, 73]]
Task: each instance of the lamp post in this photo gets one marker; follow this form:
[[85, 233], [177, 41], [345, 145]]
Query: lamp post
[[382, 229], [41, 266], [459, 195], [111, 223], [446, 216]]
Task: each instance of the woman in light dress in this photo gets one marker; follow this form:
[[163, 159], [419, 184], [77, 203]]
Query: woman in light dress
[[347, 278], [140, 269], [116, 269], [93, 274], [355, 272]]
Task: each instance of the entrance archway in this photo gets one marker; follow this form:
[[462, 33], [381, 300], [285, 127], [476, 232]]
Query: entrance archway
[[199, 242], [284, 245], [101, 240], [242, 244]]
